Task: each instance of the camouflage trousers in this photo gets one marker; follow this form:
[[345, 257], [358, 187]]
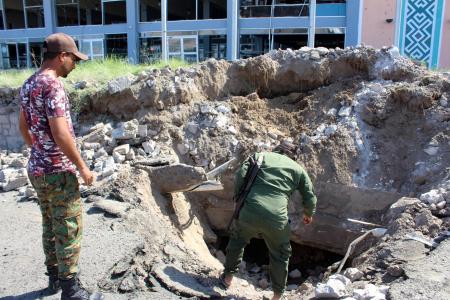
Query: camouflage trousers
[[61, 209]]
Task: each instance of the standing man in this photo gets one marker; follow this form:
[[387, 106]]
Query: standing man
[[265, 212], [46, 127]]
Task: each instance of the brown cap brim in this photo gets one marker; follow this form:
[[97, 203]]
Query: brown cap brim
[[80, 55]]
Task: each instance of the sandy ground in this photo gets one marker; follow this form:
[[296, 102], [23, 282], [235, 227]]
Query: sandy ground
[[105, 241]]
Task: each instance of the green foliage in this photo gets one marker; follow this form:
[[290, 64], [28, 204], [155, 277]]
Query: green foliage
[[14, 78]]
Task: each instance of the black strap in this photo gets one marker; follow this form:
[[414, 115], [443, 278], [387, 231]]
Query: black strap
[[249, 179]]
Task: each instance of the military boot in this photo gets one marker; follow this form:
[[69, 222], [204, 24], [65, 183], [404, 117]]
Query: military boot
[[53, 280], [71, 290]]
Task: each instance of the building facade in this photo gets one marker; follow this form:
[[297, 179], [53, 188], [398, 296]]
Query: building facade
[[194, 30]]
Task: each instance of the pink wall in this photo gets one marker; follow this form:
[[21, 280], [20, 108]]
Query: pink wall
[[376, 31], [444, 61]]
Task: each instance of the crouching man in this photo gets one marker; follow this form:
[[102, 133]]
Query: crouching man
[[264, 212]]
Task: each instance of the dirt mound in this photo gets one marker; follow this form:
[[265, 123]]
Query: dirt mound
[[372, 127]]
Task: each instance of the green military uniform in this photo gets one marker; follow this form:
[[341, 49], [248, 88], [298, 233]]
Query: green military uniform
[[265, 213], [62, 226]]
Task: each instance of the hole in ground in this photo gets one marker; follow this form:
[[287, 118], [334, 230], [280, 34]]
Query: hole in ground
[[309, 261]]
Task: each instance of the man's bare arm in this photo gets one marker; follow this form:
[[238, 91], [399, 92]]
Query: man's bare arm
[[23, 127], [63, 138]]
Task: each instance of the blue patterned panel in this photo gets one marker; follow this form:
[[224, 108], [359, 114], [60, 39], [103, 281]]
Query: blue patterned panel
[[421, 28]]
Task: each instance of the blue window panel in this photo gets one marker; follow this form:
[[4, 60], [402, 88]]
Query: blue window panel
[[337, 9]]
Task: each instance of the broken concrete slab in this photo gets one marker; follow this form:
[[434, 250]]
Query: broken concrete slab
[[175, 177], [112, 207], [180, 281]]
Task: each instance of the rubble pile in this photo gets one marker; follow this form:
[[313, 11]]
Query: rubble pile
[[371, 125]]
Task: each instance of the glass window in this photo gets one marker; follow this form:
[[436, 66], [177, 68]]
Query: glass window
[[190, 45], [90, 12], [115, 11], [92, 48], [5, 56], [254, 44], [181, 10], [34, 13], [329, 37], [116, 45], [208, 9], [149, 10], [67, 13], [14, 14], [2, 25], [290, 38], [183, 47], [255, 8], [36, 54], [212, 46], [150, 50], [175, 45]]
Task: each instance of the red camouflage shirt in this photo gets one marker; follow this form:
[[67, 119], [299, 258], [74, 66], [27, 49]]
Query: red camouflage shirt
[[42, 97]]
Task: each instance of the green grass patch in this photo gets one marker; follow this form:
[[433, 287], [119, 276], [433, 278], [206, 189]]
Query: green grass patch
[[96, 72]]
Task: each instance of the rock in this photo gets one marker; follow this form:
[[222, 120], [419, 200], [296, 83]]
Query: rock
[[263, 283], [149, 146], [322, 50], [395, 271], [353, 274], [122, 149], [12, 179], [100, 153], [118, 158], [207, 109], [295, 274], [446, 196], [441, 205], [315, 55], [232, 130], [345, 111], [425, 218], [130, 155], [119, 84], [112, 207], [141, 152], [109, 167], [292, 287], [330, 130], [126, 130], [336, 287], [183, 148], [370, 292], [433, 196], [87, 154], [80, 85], [431, 150], [223, 109], [91, 146], [193, 127], [332, 112], [20, 162], [305, 286], [142, 130]]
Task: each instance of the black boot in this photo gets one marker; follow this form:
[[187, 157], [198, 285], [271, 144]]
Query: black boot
[[53, 281], [71, 290]]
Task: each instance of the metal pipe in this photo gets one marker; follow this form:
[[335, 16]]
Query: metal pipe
[[312, 23], [164, 30]]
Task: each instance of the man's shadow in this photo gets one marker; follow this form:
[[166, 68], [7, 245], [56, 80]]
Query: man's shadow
[[38, 294]]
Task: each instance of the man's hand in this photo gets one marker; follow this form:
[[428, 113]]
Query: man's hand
[[307, 219], [87, 175]]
